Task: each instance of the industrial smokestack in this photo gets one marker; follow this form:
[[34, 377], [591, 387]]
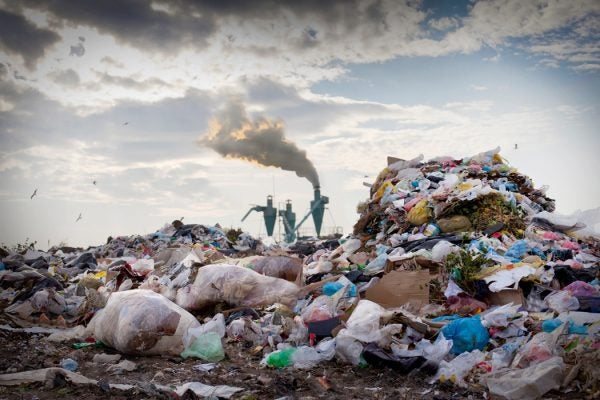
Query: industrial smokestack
[[233, 135]]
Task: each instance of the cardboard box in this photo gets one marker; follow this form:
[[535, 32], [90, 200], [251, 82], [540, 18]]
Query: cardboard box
[[506, 296], [397, 288]]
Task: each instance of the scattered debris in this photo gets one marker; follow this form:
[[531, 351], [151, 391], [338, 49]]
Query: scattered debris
[[458, 273]]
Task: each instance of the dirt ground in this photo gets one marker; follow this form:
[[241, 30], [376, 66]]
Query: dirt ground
[[22, 351]]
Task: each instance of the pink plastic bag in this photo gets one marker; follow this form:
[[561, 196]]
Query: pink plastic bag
[[581, 289]]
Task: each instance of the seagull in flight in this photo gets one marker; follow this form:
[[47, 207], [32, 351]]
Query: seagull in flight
[[34, 193], [78, 218], [515, 146], [126, 123], [94, 182]]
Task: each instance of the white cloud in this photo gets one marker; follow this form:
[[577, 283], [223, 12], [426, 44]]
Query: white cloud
[[493, 59], [587, 67], [444, 23], [5, 105], [481, 105], [478, 88]]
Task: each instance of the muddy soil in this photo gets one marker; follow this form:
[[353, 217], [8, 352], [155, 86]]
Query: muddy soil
[[22, 351]]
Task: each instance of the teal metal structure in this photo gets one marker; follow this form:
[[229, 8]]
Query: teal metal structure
[[269, 214], [289, 222], [317, 209]]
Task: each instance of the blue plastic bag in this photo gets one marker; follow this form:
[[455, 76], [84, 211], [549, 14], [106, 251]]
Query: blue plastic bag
[[467, 334], [517, 250]]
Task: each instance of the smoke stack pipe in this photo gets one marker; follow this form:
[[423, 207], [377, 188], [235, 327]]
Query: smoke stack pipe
[[318, 209]]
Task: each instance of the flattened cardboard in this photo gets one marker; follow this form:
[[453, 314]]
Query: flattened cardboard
[[506, 296], [397, 288]]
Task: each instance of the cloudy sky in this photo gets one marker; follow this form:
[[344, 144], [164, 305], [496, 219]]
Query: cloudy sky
[[140, 96]]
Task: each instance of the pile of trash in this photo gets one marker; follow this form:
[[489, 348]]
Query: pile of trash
[[457, 270]]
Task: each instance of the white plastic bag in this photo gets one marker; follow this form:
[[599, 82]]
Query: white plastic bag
[[529, 383], [562, 301], [237, 286], [142, 322], [441, 250], [455, 370]]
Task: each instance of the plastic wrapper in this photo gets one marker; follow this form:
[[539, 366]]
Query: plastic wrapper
[[538, 349], [503, 356], [434, 352], [237, 286], [506, 278], [440, 251], [142, 322], [320, 309], [347, 348], [499, 316], [562, 301], [455, 371], [215, 325], [143, 266], [48, 300], [529, 383], [365, 322], [322, 264], [303, 357]]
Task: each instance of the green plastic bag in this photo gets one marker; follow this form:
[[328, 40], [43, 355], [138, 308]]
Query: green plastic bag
[[207, 346], [281, 358]]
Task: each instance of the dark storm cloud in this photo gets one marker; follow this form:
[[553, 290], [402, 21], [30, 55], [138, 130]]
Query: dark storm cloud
[[19, 36], [134, 22], [191, 23], [66, 78]]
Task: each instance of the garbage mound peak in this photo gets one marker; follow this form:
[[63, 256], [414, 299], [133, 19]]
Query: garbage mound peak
[[447, 195]]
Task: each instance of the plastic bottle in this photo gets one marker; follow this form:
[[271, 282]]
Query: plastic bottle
[[69, 364]]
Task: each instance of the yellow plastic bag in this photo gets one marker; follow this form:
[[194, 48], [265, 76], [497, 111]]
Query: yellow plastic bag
[[419, 214], [381, 190]]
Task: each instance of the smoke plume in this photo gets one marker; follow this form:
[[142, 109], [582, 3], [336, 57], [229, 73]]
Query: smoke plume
[[233, 135]]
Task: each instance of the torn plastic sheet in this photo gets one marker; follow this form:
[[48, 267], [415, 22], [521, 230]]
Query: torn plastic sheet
[[508, 277], [200, 389], [49, 375]]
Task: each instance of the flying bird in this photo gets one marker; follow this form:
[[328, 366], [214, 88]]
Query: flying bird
[[34, 193], [94, 182], [126, 123], [515, 146], [78, 218]]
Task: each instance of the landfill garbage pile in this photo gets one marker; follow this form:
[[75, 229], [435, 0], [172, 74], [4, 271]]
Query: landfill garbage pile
[[458, 274]]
